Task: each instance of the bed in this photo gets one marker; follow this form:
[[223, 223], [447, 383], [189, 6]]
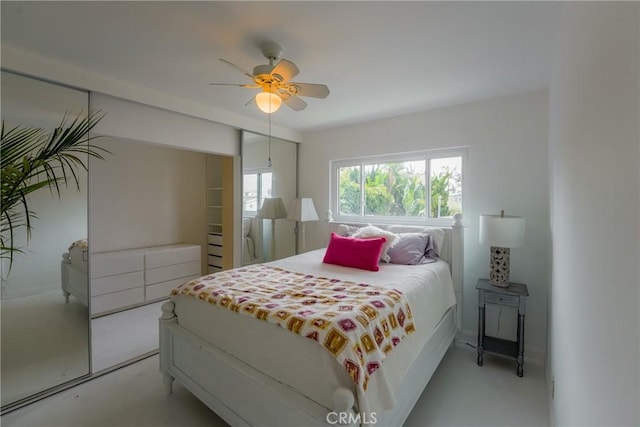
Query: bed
[[74, 272], [252, 373]]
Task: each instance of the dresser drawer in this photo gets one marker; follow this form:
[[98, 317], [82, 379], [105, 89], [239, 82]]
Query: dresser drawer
[[169, 255], [119, 282], [214, 269], [116, 300], [215, 261], [117, 262], [510, 300], [215, 250], [215, 239], [162, 290], [171, 272]]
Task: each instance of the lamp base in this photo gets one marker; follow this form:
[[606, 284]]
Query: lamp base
[[272, 255], [499, 267], [299, 231]]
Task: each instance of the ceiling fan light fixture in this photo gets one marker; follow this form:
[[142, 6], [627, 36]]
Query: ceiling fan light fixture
[[275, 80], [268, 102]]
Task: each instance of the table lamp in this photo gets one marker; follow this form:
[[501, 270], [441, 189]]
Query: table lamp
[[302, 210], [272, 209], [501, 232]]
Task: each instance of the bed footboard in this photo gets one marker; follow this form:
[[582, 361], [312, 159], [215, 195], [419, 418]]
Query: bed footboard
[[237, 392], [64, 276], [73, 281]]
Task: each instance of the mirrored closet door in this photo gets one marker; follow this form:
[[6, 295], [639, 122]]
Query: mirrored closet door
[[261, 181], [44, 323]]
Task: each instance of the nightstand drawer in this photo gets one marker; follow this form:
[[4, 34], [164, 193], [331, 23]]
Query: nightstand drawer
[[492, 298]]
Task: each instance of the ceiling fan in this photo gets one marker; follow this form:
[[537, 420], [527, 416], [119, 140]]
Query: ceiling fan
[[275, 81]]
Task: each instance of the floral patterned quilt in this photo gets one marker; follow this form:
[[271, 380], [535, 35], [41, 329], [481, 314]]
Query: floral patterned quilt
[[359, 324]]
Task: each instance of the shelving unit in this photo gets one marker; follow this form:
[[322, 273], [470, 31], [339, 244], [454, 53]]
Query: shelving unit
[[215, 229], [219, 213]]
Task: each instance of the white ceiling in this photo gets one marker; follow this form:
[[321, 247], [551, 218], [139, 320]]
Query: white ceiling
[[379, 59]]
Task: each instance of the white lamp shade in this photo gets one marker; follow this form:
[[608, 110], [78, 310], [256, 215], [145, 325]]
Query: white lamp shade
[[502, 231], [272, 209], [268, 102], [302, 210]]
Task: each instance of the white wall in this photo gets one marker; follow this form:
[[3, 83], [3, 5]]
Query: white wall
[[146, 195], [131, 120], [594, 151], [507, 169]]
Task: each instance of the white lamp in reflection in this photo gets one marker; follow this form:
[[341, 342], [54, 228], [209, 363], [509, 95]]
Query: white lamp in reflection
[[302, 210], [272, 209], [501, 232]]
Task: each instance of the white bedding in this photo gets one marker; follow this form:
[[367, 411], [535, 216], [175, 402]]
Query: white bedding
[[302, 363]]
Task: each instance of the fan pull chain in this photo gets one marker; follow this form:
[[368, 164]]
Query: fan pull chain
[[269, 160]]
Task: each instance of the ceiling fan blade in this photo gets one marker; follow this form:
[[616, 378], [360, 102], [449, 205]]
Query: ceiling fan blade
[[294, 102], [284, 71], [235, 84], [250, 101], [246, 73], [307, 89]]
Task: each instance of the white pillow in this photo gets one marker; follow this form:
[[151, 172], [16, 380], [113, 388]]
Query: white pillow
[[371, 231], [346, 230]]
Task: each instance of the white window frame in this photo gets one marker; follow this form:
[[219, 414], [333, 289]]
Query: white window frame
[[260, 197], [426, 155]]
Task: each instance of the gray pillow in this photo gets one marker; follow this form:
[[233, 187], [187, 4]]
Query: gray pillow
[[411, 249]]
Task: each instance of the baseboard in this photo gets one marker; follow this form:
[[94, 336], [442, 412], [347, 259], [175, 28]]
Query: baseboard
[[532, 354]]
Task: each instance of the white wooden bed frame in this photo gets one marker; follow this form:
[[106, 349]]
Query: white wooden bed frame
[[244, 396], [74, 280]]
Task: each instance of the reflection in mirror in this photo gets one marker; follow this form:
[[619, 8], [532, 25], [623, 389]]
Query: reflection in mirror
[[261, 182], [147, 228], [45, 323]]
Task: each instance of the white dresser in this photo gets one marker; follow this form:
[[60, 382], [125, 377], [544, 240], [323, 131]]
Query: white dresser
[[131, 277]]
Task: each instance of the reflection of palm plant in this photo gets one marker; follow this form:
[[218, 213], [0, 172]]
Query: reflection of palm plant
[[33, 158]]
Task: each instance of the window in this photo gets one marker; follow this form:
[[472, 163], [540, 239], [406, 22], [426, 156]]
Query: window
[[403, 188], [256, 186]]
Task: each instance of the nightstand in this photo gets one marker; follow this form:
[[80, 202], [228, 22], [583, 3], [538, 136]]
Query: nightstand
[[515, 295]]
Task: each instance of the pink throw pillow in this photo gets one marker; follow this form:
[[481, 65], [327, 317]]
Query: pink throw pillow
[[352, 252]]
